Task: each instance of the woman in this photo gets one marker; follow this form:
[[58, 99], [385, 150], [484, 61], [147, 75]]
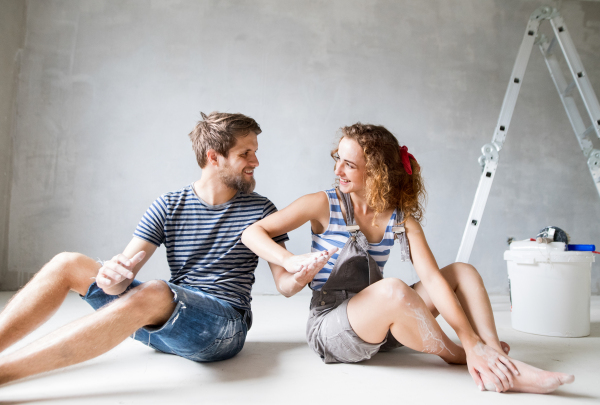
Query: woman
[[355, 312]]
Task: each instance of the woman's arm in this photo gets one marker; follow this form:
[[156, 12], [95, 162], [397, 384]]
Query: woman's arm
[[436, 285], [480, 357], [289, 284], [258, 236]]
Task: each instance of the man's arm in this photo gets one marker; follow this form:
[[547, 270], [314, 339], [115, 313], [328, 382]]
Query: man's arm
[[116, 274]]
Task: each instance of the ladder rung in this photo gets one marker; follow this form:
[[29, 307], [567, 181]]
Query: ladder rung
[[590, 130], [550, 48], [569, 88]]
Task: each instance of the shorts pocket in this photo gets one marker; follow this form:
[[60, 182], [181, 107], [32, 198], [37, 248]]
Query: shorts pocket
[[220, 349], [342, 351]]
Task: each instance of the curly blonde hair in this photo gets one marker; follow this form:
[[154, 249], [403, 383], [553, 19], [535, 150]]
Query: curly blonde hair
[[388, 184]]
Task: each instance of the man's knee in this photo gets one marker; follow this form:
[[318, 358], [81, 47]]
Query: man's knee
[[76, 270], [156, 290], [67, 259], [153, 301]]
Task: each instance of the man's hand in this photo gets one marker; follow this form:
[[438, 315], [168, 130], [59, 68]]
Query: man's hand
[[117, 269]]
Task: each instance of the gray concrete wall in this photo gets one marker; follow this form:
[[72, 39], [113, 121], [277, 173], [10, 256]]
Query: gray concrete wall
[[109, 91], [12, 34]]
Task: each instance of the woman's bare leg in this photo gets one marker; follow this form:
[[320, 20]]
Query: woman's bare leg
[[472, 295], [468, 286], [391, 305]]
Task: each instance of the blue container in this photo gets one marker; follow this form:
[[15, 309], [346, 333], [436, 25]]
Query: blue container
[[582, 248]]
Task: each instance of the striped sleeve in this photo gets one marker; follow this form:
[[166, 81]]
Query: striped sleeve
[[269, 209], [152, 225]]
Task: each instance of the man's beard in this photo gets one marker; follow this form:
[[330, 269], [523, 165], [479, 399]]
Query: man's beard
[[236, 180]]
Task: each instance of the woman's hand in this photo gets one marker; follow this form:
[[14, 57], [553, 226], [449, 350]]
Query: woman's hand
[[303, 269], [489, 367], [308, 263], [309, 271]]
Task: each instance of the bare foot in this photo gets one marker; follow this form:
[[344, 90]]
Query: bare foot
[[534, 380], [505, 347]]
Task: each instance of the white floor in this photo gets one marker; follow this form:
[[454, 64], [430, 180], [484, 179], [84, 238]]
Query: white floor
[[277, 367]]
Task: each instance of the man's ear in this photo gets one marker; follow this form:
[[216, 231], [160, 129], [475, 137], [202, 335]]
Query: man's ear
[[212, 157]]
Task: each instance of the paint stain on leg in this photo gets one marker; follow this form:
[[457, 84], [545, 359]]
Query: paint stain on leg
[[432, 340]]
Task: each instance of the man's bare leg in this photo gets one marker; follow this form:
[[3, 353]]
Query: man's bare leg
[[472, 295], [148, 304], [35, 303]]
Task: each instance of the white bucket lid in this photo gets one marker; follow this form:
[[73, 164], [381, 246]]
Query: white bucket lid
[[550, 256], [533, 245]]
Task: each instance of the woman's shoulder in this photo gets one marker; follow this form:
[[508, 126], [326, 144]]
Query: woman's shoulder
[[320, 197], [332, 196], [319, 206], [316, 205]]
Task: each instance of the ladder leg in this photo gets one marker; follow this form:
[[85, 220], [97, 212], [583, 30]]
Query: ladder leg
[[594, 166], [489, 160], [579, 74], [584, 86], [481, 196], [564, 91]]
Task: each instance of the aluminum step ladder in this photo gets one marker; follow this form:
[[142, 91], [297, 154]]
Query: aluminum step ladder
[[489, 159]]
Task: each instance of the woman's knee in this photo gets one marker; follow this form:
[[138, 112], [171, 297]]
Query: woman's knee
[[457, 273], [394, 292]]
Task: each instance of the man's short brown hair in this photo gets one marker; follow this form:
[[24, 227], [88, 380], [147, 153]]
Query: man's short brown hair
[[218, 131]]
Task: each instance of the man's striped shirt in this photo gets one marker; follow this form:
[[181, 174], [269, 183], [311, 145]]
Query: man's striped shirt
[[203, 242]]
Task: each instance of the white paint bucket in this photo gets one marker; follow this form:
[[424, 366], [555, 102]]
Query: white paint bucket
[[550, 291]]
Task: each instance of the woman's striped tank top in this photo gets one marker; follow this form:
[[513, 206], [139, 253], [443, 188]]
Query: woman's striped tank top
[[336, 236]]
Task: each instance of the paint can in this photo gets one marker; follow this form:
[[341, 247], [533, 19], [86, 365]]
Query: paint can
[[550, 290]]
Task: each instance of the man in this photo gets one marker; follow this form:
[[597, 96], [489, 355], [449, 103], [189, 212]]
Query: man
[[203, 313]]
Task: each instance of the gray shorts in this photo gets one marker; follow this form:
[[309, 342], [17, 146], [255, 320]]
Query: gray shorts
[[335, 341]]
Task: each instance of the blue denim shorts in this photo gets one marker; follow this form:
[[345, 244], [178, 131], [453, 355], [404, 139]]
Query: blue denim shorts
[[201, 328]]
